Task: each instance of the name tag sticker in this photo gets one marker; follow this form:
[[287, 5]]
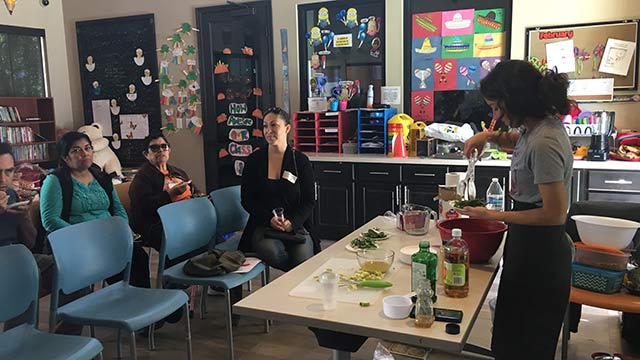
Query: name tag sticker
[[289, 176]]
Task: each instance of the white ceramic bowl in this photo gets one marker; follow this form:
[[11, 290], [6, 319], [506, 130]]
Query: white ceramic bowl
[[605, 231], [406, 252], [396, 306]]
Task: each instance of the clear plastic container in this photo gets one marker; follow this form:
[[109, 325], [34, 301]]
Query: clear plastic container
[[601, 257]]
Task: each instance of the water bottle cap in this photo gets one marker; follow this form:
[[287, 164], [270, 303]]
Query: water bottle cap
[[494, 179], [456, 232]]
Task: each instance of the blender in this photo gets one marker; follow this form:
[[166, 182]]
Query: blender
[[604, 124]]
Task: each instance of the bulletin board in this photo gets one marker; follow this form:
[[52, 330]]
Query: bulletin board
[[118, 72], [453, 44], [341, 41], [589, 42]]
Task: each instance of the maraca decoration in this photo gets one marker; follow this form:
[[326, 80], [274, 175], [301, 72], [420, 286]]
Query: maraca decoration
[[362, 28], [443, 71], [464, 71], [422, 75], [327, 40]]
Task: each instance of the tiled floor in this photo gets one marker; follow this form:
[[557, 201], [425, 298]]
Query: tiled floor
[[599, 331]]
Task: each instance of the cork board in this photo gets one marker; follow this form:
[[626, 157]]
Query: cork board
[[589, 42]]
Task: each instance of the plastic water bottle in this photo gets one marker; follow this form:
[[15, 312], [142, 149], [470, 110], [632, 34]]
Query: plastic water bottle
[[370, 97], [495, 196]]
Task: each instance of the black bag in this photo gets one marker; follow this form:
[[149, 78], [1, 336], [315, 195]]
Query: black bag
[[296, 237]]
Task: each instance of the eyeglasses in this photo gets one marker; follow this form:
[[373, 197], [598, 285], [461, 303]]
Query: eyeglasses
[[158, 147], [7, 172], [77, 149]]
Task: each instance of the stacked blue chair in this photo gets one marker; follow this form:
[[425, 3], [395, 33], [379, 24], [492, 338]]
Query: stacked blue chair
[[89, 252], [190, 225], [19, 294], [232, 217]]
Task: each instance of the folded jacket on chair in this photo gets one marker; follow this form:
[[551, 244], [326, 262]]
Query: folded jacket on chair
[[215, 262]]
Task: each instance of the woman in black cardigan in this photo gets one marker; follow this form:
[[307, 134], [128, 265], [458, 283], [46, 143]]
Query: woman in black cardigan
[[279, 177]]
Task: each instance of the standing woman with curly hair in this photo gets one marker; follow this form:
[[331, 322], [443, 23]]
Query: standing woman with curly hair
[[536, 275]]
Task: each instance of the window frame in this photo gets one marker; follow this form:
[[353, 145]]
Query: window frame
[[25, 31]]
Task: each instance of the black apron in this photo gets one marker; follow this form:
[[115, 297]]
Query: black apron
[[533, 293]]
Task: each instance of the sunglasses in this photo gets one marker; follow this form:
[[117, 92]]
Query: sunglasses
[[158, 147], [77, 149]]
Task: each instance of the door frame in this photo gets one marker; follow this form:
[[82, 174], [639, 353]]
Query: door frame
[[209, 129]]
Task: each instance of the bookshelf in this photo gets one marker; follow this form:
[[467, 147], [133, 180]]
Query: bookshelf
[[28, 124]]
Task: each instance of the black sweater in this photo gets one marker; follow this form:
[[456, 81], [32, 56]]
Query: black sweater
[[299, 198]]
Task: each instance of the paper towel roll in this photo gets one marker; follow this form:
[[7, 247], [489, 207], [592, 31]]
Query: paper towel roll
[[453, 178]]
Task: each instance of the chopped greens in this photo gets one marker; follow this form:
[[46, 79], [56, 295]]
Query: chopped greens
[[374, 233], [364, 243], [473, 203]]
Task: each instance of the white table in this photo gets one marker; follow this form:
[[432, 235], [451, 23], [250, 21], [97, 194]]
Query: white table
[[273, 301]]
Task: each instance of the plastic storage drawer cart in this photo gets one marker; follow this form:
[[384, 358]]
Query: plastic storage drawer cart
[[594, 279]]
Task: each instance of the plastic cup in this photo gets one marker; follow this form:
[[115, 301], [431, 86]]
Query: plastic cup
[[329, 282], [279, 213]]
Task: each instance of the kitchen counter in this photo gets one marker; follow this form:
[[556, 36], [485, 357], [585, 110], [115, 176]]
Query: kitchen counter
[[383, 159]]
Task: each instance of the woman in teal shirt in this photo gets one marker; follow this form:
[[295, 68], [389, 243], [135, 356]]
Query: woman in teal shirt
[[79, 191]]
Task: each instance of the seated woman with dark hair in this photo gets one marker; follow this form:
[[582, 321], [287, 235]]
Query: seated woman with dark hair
[[278, 176], [156, 184]]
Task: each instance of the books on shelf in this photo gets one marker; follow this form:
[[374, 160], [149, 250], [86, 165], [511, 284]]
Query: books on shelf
[[32, 153], [9, 114], [17, 135]]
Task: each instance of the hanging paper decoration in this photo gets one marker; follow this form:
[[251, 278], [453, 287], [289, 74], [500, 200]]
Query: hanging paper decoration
[[166, 96], [238, 167], [352, 18], [116, 141], [257, 91], [177, 55], [90, 65], [147, 79], [164, 50], [221, 118], [247, 51], [139, 58], [191, 63], [186, 29], [132, 95], [257, 133], [315, 61], [375, 47], [327, 40], [11, 4], [314, 36], [257, 113], [97, 88], [323, 17], [221, 96], [223, 153], [115, 109], [221, 68], [164, 68], [373, 25]]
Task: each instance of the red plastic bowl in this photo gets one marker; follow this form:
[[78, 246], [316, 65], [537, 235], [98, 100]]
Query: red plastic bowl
[[482, 236]]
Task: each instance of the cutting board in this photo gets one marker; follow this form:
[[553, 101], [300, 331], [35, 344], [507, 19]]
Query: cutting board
[[311, 289]]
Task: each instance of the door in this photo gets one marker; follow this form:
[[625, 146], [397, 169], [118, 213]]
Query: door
[[236, 56], [334, 209], [375, 199]]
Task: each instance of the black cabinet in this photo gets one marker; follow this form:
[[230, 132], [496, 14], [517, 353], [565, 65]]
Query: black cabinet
[[420, 184], [421, 195], [374, 199], [333, 215]]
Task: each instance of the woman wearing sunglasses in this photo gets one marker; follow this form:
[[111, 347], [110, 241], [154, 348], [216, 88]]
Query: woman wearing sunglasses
[[156, 184]]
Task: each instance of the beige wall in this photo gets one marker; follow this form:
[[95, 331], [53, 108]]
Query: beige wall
[[31, 14], [65, 77]]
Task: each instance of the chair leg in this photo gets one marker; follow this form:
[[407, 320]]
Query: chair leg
[[132, 345], [565, 336], [202, 302], [119, 345], [100, 356], [152, 337], [93, 331], [227, 294], [249, 286], [203, 298], [264, 283], [187, 326]]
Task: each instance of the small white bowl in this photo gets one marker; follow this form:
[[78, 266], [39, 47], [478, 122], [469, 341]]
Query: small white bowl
[[407, 251], [605, 231], [396, 307]]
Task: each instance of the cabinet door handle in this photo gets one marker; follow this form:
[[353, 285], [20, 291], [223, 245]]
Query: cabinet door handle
[[619, 182], [315, 190], [378, 173], [615, 191], [424, 174], [398, 200], [406, 195], [332, 171]]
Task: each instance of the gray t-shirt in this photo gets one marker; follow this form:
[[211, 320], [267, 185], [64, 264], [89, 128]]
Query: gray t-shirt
[[542, 155]]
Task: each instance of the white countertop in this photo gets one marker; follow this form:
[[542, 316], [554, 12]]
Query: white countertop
[[383, 159]]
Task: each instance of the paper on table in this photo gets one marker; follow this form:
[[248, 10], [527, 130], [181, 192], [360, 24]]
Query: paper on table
[[311, 289], [134, 126], [102, 115], [560, 55], [248, 265], [391, 95], [617, 57]]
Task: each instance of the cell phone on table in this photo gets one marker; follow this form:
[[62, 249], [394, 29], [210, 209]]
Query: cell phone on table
[[448, 315], [16, 204]]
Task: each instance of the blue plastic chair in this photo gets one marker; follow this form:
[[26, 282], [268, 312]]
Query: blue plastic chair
[[18, 294], [232, 217], [89, 252], [190, 225]]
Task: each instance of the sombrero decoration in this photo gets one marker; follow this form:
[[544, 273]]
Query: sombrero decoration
[[457, 22], [426, 47], [488, 43], [456, 46], [489, 20]]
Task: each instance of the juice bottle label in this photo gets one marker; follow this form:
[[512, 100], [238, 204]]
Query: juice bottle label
[[454, 274]]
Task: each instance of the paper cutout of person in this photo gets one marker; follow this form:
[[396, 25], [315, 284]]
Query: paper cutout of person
[[116, 141], [147, 79], [139, 59], [90, 65], [115, 109], [132, 96], [97, 88]]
